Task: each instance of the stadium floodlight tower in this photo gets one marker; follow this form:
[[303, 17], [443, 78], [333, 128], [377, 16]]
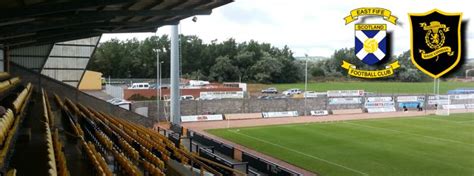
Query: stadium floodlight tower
[[158, 81], [305, 82]]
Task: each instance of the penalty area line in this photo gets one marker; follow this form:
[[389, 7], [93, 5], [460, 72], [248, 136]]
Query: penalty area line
[[301, 153]]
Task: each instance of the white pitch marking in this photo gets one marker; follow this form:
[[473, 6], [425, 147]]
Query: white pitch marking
[[464, 122], [301, 153], [444, 120]]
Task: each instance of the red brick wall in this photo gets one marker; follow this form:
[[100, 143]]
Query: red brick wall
[[127, 93]]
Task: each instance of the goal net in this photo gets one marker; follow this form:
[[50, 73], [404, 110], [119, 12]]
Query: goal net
[[443, 103]]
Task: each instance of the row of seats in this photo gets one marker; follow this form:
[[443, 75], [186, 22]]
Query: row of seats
[[74, 124], [145, 146], [124, 141], [129, 142], [57, 159], [51, 154], [6, 122], [143, 132], [131, 152], [158, 138], [47, 108], [7, 84], [125, 147], [98, 162], [144, 135], [9, 122], [126, 166], [60, 157], [151, 169], [152, 158], [20, 101], [4, 75], [104, 140]]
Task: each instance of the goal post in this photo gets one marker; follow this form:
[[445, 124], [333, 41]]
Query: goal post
[[443, 105]]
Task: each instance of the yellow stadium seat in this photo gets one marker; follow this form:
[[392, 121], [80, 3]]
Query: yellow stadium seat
[[11, 172]]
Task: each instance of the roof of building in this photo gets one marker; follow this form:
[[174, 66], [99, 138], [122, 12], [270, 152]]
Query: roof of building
[[36, 22]]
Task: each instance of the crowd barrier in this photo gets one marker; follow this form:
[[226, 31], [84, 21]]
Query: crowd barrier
[[267, 167], [218, 146], [206, 153], [259, 164]]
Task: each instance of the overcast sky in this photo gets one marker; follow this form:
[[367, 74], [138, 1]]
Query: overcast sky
[[306, 26]]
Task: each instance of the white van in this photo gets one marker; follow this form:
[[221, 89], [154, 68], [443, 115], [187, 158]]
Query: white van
[[291, 92], [140, 86]]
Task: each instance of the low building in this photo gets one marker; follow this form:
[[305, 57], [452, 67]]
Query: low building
[[91, 81]]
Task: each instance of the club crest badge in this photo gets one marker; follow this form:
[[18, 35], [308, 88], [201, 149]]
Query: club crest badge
[[435, 41], [370, 43]]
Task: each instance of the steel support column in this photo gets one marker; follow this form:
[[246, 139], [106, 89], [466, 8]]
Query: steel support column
[[175, 117]]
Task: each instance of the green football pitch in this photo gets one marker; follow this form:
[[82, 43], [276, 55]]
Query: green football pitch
[[426, 145]]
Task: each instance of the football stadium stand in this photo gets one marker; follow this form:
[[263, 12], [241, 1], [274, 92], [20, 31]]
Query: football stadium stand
[[107, 145], [48, 127]]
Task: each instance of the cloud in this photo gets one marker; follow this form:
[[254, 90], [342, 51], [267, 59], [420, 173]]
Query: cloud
[[247, 16], [307, 26]]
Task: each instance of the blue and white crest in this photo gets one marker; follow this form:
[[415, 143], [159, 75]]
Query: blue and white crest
[[370, 42]]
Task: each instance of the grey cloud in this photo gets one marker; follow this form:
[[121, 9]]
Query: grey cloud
[[246, 16]]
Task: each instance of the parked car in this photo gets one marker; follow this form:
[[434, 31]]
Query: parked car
[[264, 97], [118, 101], [291, 92], [270, 90], [187, 97], [113, 100]]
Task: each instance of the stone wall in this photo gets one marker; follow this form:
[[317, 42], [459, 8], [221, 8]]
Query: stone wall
[[233, 106]]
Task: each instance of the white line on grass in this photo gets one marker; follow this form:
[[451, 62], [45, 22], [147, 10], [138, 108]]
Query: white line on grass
[[452, 121], [386, 129], [301, 153], [467, 121]]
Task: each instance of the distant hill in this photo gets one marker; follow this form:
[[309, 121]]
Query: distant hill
[[312, 58], [470, 61]]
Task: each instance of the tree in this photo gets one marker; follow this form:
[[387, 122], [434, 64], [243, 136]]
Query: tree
[[409, 75], [266, 70], [317, 72], [217, 61], [223, 70], [244, 60]]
